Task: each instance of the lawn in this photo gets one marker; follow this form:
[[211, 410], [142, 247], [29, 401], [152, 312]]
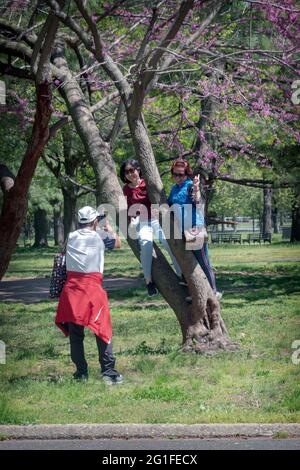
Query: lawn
[[261, 308]]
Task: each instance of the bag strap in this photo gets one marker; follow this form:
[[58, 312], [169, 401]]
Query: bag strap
[[64, 246]]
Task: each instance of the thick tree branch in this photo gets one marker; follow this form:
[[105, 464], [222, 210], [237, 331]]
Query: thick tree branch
[[185, 7], [68, 119], [119, 122], [72, 24], [93, 28], [104, 59], [15, 49], [15, 32], [47, 36]]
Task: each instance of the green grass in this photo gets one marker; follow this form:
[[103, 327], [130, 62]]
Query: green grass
[[257, 384], [31, 262]]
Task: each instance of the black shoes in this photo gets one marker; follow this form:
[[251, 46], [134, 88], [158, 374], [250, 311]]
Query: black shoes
[[152, 290], [81, 376], [115, 380]]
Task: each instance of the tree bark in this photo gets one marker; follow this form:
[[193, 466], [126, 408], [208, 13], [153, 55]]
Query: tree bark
[[69, 218], [15, 201], [275, 221], [58, 227], [40, 228], [295, 232], [267, 212], [98, 151]]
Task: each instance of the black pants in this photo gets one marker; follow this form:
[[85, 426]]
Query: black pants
[[106, 359]]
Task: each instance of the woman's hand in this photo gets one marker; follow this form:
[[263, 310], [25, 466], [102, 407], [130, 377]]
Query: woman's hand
[[196, 183], [196, 189]]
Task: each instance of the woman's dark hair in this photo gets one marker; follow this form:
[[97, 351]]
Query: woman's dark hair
[[181, 163], [134, 163]]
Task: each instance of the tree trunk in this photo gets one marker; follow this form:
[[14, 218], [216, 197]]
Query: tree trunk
[[275, 214], [267, 212], [295, 232], [98, 151], [58, 227], [69, 218], [40, 228], [15, 200], [275, 220], [27, 230]]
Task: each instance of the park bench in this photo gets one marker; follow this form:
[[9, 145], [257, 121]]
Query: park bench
[[236, 238], [266, 238], [226, 237], [252, 237], [258, 237]]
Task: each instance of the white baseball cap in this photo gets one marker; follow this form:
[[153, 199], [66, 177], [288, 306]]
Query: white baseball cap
[[87, 215]]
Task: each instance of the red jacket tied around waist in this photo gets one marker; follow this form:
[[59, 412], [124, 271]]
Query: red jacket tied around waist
[[84, 301]]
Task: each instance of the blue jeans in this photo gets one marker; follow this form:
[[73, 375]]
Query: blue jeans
[[203, 260]]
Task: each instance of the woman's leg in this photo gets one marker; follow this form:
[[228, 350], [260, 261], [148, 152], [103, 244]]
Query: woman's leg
[[203, 260], [159, 234], [146, 246]]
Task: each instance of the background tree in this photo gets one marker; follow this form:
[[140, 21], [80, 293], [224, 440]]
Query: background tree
[[15, 200]]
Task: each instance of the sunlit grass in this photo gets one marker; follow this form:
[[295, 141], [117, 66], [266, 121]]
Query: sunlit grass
[[29, 262], [259, 383]]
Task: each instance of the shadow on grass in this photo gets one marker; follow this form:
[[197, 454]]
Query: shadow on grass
[[259, 286]]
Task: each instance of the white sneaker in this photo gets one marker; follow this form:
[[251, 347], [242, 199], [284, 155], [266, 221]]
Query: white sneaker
[[116, 380]]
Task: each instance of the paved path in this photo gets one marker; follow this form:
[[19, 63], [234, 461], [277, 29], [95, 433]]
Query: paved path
[[32, 290], [153, 444]]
